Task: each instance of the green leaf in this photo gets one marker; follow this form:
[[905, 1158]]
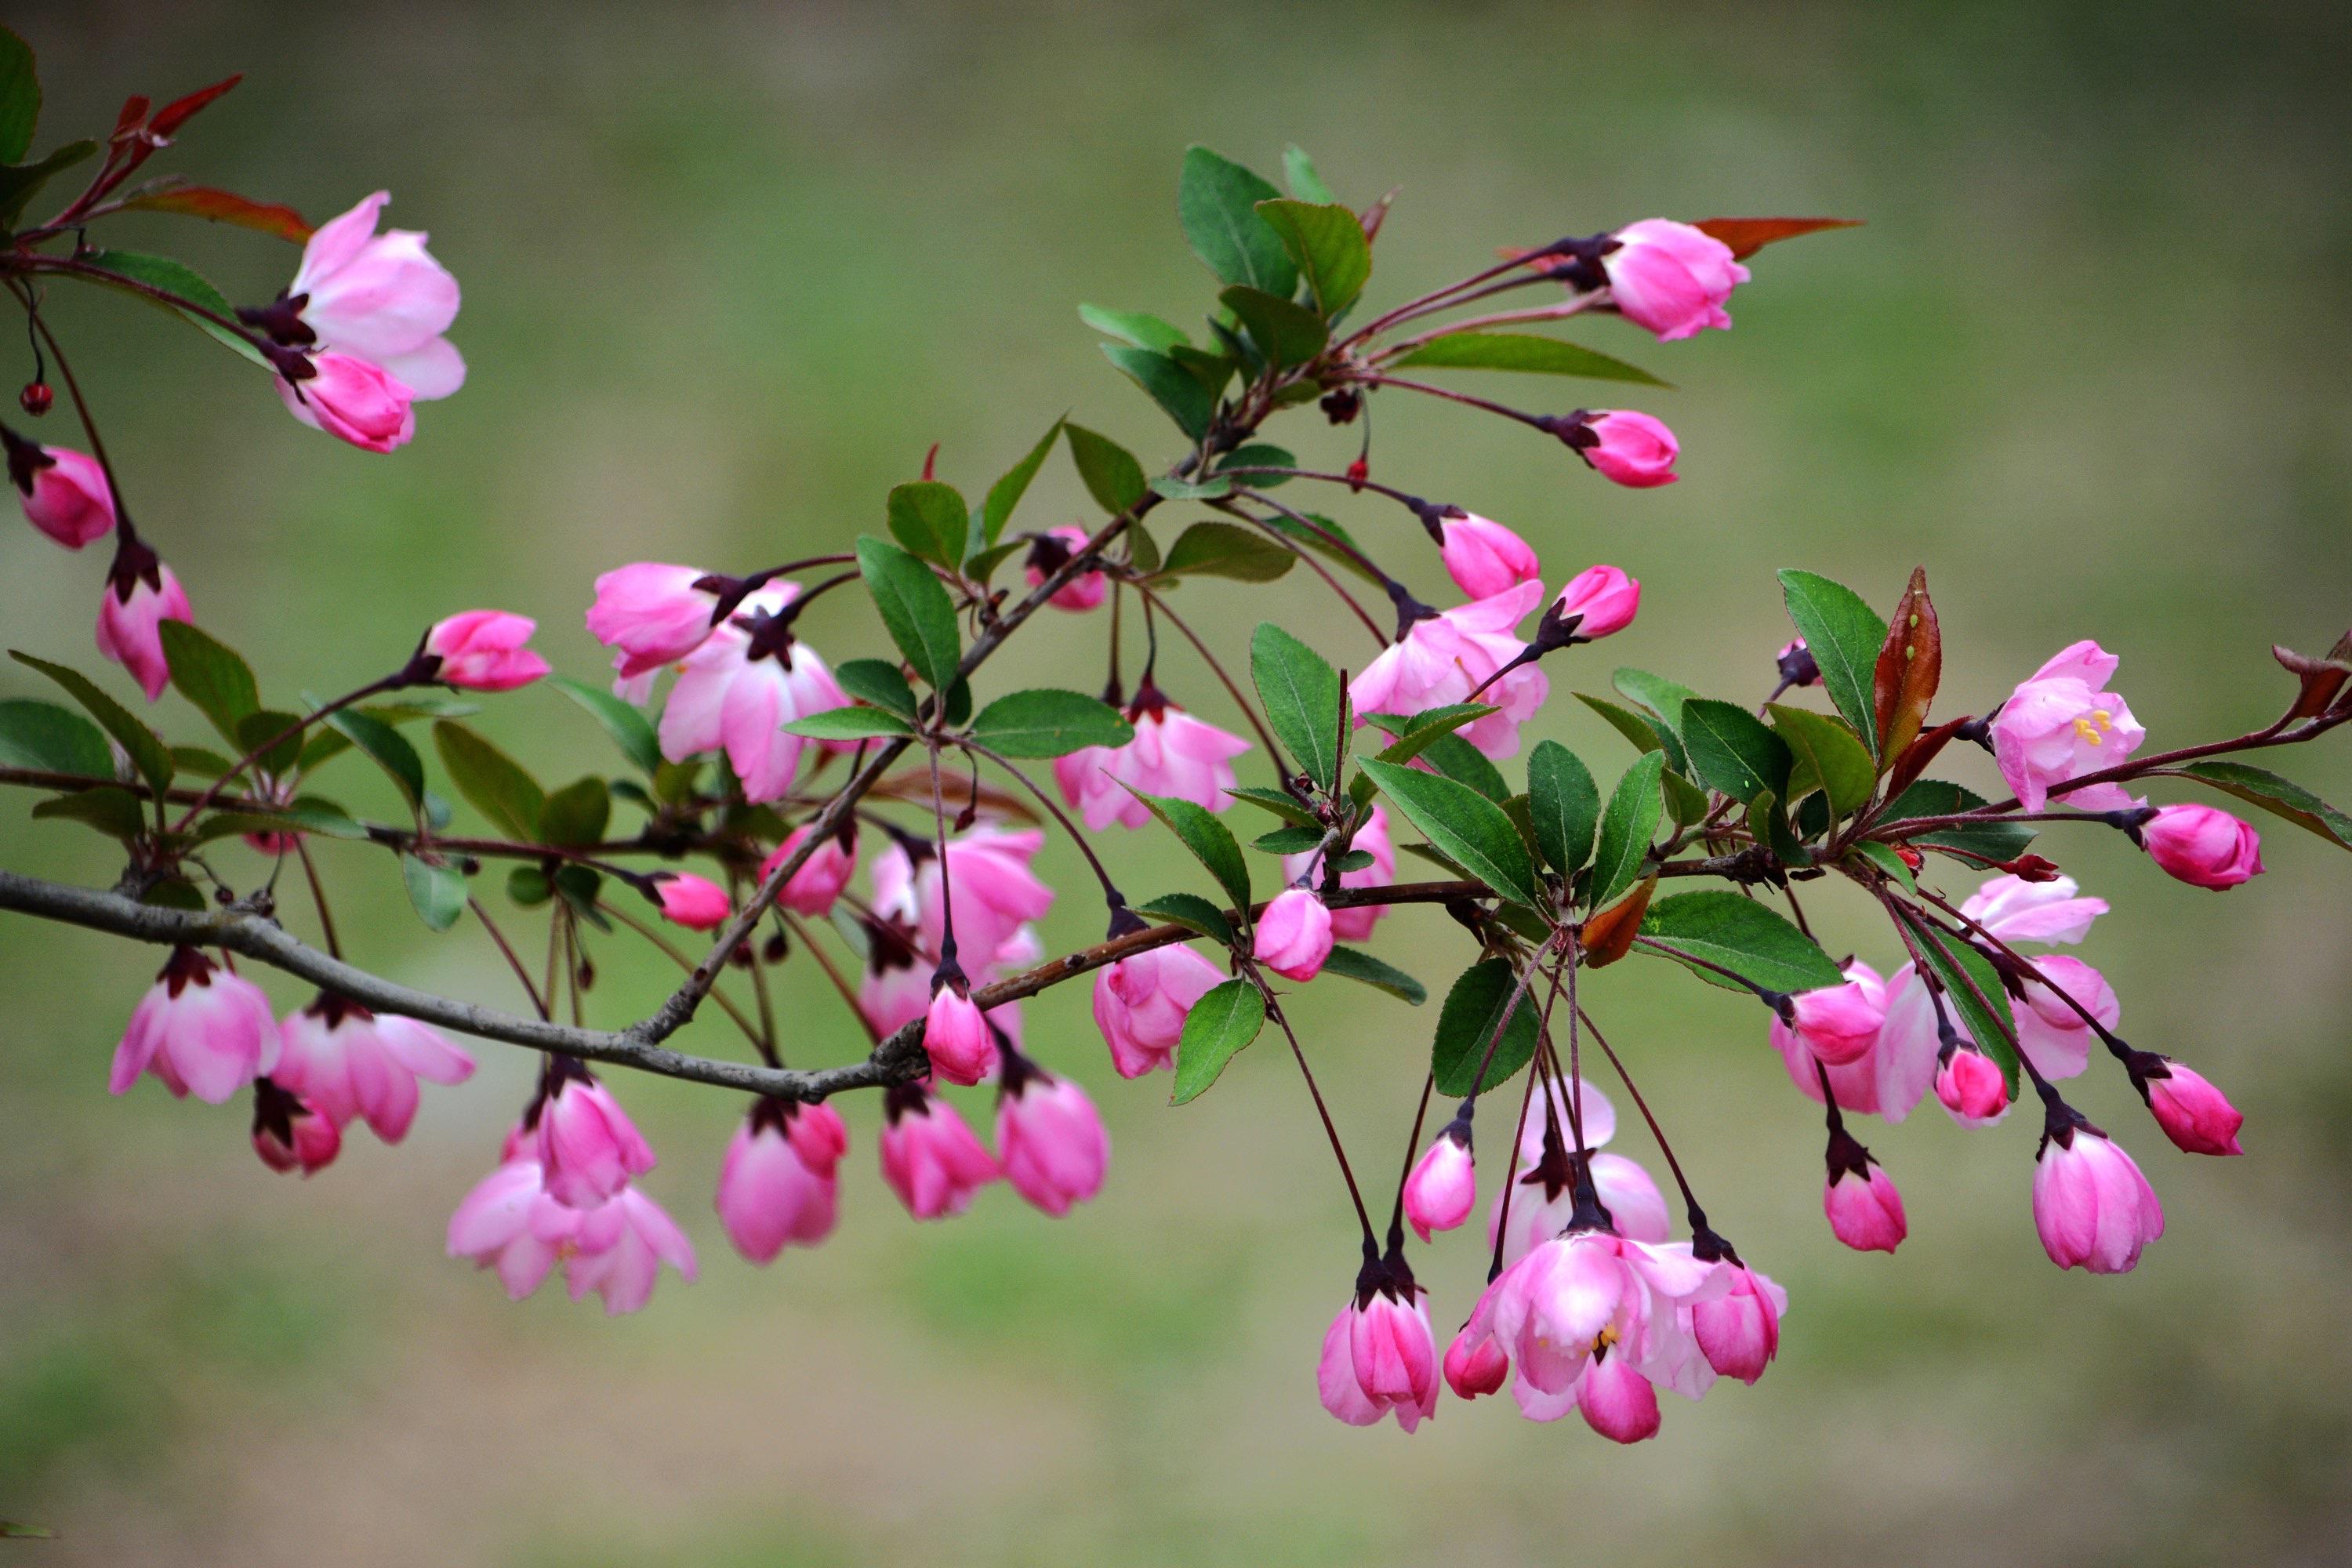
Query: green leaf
[[493, 783], [1744, 936], [1687, 804], [1352, 964], [577, 815], [916, 609], [1626, 829], [931, 519], [1217, 201], [1462, 763], [1662, 698], [1169, 488], [212, 675], [850, 724], [20, 183], [1326, 242], [1844, 635], [1431, 727], [1646, 733], [1937, 797], [437, 892], [1564, 804], [1219, 1026], [20, 96], [1523, 351], [1300, 694], [1291, 840], [876, 681], [1112, 475], [1137, 327], [1225, 549], [1047, 722], [1298, 173], [1211, 842], [1732, 750], [1193, 913], [1285, 333], [1178, 392], [391, 752], [177, 278], [148, 753], [2283, 796], [1884, 857], [1276, 802], [1829, 756], [580, 887], [1992, 1028], [630, 729], [269, 728], [302, 816], [1471, 829], [112, 809], [325, 742], [527, 886], [1260, 454], [1319, 535], [1006, 492], [53, 740], [1466, 1025]]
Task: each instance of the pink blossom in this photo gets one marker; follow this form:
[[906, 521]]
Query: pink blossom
[[1971, 1087], [1083, 592], [1050, 1140], [1739, 1330], [1141, 1003], [2094, 1209], [288, 1134], [1855, 1083], [2197, 1117], [811, 890], [738, 690], [65, 493], [2013, 909], [1865, 1210], [587, 1145], [653, 614], [1671, 279], [1627, 446], [1472, 1370], [1839, 1023], [694, 902], [1484, 558], [1542, 1208], [1172, 753], [777, 1185], [1379, 1357], [1356, 923], [955, 1034], [2203, 846], [129, 612], [482, 650], [2059, 725], [618, 1249], [353, 400], [380, 298], [201, 1029], [930, 1156], [349, 1063], [1617, 1401], [995, 893], [1443, 1186], [510, 1224], [1441, 658], [1293, 935], [1603, 597]]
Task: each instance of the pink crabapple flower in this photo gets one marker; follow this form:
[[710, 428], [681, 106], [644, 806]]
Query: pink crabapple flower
[[587, 1146], [1053, 550], [2197, 1117], [811, 890], [1483, 557], [380, 298], [619, 1247], [930, 1156], [507, 1222], [200, 1029], [1855, 1083], [694, 902], [2052, 1034], [2203, 846], [956, 1036], [353, 399], [482, 650], [1379, 1357], [1443, 1186], [1293, 935], [2013, 909], [1172, 753], [64, 492], [288, 1134], [1356, 923], [1441, 658], [751, 678], [130, 610], [777, 1184], [1049, 1140], [351, 1063], [2094, 1209], [1739, 1330], [2059, 724], [1605, 597], [1865, 1210], [1141, 1003], [1474, 1370], [651, 615], [1543, 1197], [1671, 279], [1839, 1024], [995, 893], [1627, 448], [1971, 1087]]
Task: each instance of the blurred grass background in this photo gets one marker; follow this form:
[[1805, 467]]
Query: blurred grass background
[[729, 271]]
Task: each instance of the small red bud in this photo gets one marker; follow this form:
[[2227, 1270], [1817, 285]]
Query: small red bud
[[931, 463], [36, 398], [1357, 472], [1911, 858], [2032, 869]]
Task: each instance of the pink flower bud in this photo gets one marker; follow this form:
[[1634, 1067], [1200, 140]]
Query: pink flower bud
[[955, 1033], [1485, 558], [200, 1029], [653, 614], [1379, 1356], [1141, 1003], [354, 400], [1472, 1370], [811, 890], [1671, 279], [1605, 597], [2094, 1209], [481, 650], [1355, 922], [930, 1156], [2203, 846], [2197, 1117], [129, 613], [348, 1063], [2059, 724], [1050, 1142], [777, 1185], [1443, 1186], [1865, 1210], [65, 493], [1083, 592], [618, 1251], [1740, 1331], [587, 1144], [288, 1134], [1632, 448], [1617, 1401], [380, 298], [1971, 1087], [694, 902], [1839, 1024], [1293, 935]]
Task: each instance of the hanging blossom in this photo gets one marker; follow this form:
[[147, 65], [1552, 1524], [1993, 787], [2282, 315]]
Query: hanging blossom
[[1050, 1141], [353, 1065], [1379, 1357], [1671, 279], [1141, 1002], [1172, 753], [738, 688], [1306, 869], [200, 1029], [64, 492], [141, 595], [511, 1223], [777, 1185], [1444, 656], [995, 893], [931, 1157], [1542, 1193]]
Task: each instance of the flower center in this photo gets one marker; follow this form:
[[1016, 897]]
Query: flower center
[[2094, 726]]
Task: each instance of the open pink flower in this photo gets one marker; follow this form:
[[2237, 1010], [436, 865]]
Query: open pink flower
[[1739, 1330], [1625, 446], [2197, 1117], [380, 297], [1172, 753], [738, 690], [930, 1156], [2202, 846], [65, 493], [288, 1134], [586, 1143], [777, 1185], [2060, 724], [1443, 1188], [1356, 923], [2052, 1034], [1671, 279], [811, 890], [653, 614], [482, 650], [1050, 553], [1379, 1357], [1141, 1003], [353, 400], [995, 892], [349, 1063], [1484, 558], [200, 1029], [1441, 658], [1603, 599], [2014, 909], [955, 1036], [1293, 935], [130, 611], [619, 1247], [2093, 1210], [694, 902], [510, 1224], [1049, 1140]]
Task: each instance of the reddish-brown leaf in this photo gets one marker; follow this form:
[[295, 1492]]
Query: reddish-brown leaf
[[1913, 762], [1747, 236], [1609, 935], [135, 114], [177, 112], [1909, 666], [224, 207], [2322, 678]]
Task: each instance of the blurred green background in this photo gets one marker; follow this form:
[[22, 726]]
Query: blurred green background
[[729, 271]]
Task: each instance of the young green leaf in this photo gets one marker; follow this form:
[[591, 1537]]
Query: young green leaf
[[388, 749], [1937, 797], [1626, 829], [1467, 1022], [1221, 1024], [1140, 328], [20, 183], [1298, 173], [177, 278], [1471, 829], [1170, 489], [1226, 550], [148, 753], [1884, 857], [929, 519], [1211, 842], [1260, 454], [1563, 803], [1732, 750], [112, 809], [1646, 733], [577, 815], [269, 728], [1193, 913], [1327, 243], [1844, 635], [1662, 698], [1275, 801], [1284, 332], [630, 729], [1300, 694], [876, 681], [437, 892], [1290, 840], [1743, 936], [493, 783], [1217, 201], [209, 675], [1177, 390], [1006, 492], [850, 724], [914, 608], [50, 739], [1829, 756], [1523, 351], [20, 97], [1352, 964], [1046, 722], [1112, 475]]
